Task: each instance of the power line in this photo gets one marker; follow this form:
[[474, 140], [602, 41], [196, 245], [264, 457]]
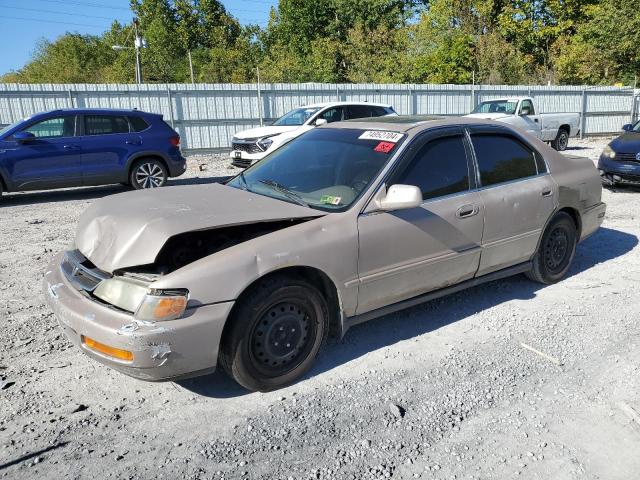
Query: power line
[[55, 12], [53, 21], [85, 4]]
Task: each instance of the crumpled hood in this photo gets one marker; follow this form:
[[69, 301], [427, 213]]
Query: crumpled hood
[[265, 131], [129, 229], [488, 116]]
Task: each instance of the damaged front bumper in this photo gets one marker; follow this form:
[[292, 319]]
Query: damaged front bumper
[[164, 350]]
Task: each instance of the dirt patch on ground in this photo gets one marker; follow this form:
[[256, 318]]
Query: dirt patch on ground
[[450, 389]]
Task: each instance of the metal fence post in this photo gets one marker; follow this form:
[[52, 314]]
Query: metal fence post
[[170, 100], [70, 92], [583, 114]]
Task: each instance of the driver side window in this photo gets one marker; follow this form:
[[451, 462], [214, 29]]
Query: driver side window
[[439, 168], [332, 115], [527, 105], [53, 128]]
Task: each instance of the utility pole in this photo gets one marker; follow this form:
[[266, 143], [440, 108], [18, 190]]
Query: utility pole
[[138, 46], [191, 66], [259, 97]]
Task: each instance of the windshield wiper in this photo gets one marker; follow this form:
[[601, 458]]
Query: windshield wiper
[[285, 191]]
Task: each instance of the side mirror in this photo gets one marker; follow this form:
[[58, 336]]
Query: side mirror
[[400, 197], [628, 127], [525, 111], [320, 121], [23, 137]]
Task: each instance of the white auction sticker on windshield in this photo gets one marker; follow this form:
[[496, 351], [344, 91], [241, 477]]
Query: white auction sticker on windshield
[[392, 137]]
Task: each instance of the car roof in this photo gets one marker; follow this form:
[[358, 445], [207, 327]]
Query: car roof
[[411, 124], [128, 111], [338, 104]]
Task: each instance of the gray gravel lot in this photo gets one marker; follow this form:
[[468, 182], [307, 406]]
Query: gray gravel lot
[[453, 389]]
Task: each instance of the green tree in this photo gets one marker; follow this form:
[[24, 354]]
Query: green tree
[[164, 58], [72, 58]]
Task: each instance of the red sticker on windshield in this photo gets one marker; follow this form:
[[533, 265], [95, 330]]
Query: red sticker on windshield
[[384, 147]]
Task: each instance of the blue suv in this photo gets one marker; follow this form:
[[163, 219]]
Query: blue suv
[[80, 147]]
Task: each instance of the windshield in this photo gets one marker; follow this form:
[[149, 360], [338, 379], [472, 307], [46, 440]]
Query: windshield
[[636, 127], [325, 168], [297, 116], [497, 106], [9, 127]]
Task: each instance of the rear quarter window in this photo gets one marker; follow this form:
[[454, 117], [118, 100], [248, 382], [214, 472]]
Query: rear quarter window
[[503, 158], [138, 124], [105, 124]]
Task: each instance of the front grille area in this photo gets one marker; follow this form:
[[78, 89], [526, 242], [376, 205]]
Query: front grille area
[[627, 157], [629, 179], [81, 272], [249, 147], [241, 162]]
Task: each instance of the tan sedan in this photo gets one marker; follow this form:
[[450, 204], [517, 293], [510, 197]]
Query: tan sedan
[[347, 222]]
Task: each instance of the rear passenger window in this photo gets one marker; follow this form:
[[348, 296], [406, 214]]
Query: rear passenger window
[[105, 124], [439, 168], [359, 111], [502, 158], [138, 124], [378, 111]]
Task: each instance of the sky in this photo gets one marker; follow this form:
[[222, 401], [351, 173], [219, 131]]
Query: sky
[[23, 23]]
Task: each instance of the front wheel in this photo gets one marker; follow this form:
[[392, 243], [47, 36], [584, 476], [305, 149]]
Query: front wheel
[[556, 250], [148, 173], [562, 141], [275, 334]]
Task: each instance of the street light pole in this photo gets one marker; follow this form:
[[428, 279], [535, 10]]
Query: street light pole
[[138, 45]]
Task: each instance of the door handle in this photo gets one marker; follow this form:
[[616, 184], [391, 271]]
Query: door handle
[[70, 147], [546, 193], [132, 142], [467, 211]]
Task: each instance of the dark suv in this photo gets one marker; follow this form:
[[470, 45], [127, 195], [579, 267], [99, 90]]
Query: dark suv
[[70, 148]]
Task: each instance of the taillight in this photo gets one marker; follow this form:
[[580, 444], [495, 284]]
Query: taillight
[[175, 140]]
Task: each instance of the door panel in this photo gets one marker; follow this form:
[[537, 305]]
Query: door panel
[[50, 160], [518, 195], [107, 145], [515, 216], [409, 252]]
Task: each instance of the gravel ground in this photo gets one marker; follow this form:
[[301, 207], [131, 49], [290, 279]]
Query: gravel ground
[[504, 380]]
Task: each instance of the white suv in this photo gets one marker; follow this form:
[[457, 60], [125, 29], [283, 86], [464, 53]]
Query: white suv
[[249, 146]]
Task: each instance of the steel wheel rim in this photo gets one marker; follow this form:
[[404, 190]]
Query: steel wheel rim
[[556, 250], [149, 175], [563, 141], [282, 338]]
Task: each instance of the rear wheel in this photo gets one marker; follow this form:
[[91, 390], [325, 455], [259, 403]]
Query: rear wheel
[[275, 334], [148, 173], [562, 140], [556, 250]]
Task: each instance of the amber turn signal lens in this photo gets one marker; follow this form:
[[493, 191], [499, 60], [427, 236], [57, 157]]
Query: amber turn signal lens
[[162, 306], [125, 355], [170, 307]]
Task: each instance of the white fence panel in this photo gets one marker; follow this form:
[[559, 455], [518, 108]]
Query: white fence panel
[[208, 115]]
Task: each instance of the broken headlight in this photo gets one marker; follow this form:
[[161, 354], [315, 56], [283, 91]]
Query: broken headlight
[[135, 296], [124, 293]]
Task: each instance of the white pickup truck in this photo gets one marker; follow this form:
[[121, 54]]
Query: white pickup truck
[[555, 128]]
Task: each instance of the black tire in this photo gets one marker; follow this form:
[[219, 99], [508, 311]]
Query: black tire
[[562, 140], [275, 333], [556, 250], [148, 173]]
